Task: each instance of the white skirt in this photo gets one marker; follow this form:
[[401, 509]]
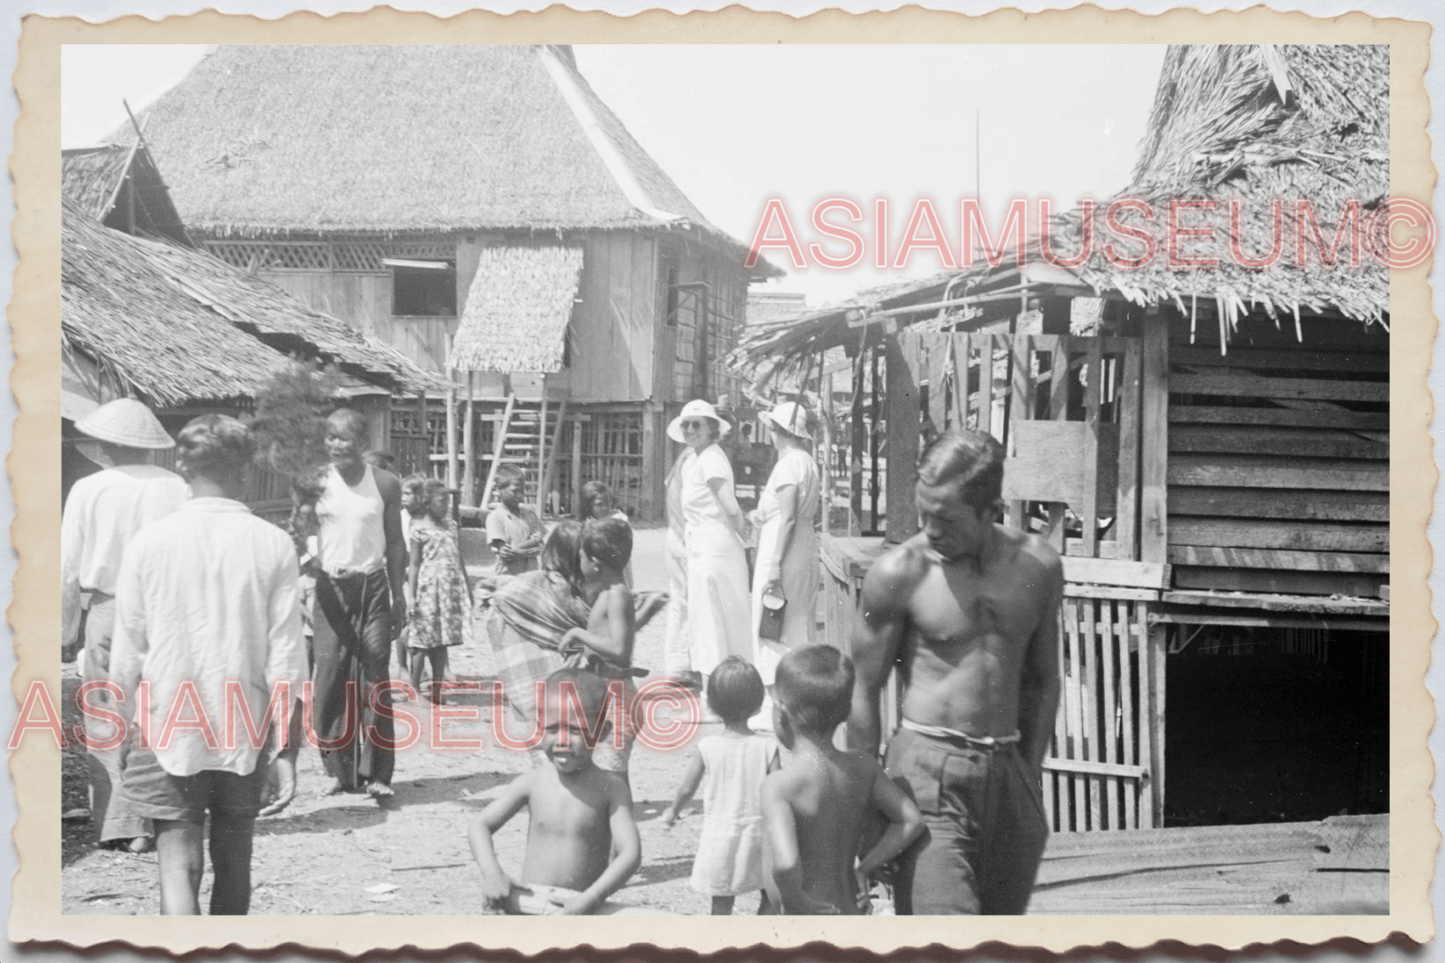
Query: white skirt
[[719, 609]]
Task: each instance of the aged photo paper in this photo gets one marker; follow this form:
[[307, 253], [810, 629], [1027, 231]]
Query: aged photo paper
[[1224, 463]]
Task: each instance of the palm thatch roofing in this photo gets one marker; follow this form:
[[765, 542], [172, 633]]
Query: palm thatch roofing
[[517, 310], [1245, 123], [121, 187], [401, 139], [179, 326]]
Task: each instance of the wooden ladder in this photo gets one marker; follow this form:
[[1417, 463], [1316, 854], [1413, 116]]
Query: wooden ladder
[[527, 437]]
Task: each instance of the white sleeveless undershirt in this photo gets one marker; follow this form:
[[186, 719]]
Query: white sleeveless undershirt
[[353, 536]]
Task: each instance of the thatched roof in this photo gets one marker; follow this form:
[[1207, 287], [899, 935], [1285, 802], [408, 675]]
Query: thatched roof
[[323, 139], [121, 187], [178, 326], [517, 309], [1253, 123], [1244, 122]]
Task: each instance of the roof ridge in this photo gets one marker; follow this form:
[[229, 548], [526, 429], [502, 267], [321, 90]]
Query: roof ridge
[[612, 159]]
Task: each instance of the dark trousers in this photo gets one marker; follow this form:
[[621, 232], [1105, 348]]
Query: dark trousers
[[986, 827], [352, 647]]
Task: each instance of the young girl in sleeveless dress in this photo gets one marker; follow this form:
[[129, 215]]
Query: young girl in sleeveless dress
[[729, 857], [442, 598]]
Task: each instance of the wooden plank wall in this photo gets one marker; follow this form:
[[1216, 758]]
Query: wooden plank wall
[[613, 332], [1279, 462]]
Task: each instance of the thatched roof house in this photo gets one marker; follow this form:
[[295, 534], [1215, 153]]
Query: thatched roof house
[[120, 187], [1230, 123], [178, 327], [482, 211]]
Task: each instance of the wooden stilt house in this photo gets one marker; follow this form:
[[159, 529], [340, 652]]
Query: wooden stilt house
[[1208, 447], [481, 210], [189, 335]]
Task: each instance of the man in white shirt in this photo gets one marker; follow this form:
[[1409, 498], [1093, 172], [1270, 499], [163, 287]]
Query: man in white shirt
[[101, 515], [208, 615]]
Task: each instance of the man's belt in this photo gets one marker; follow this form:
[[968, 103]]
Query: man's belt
[[984, 743]]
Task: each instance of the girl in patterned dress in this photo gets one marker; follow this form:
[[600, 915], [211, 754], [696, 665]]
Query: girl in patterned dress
[[439, 589]]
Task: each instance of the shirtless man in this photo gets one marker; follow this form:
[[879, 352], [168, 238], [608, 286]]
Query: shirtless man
[[969, 609]]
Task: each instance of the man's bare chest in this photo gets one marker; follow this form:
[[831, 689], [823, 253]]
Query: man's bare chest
[[953, 608]]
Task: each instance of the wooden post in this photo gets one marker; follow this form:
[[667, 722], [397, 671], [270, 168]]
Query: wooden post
[[1126, 511], [859, 432], [546, 481], [469, 461], [903, 418], [1059, 411], [425, 466], [1154, 447], [825, 388], [1020, 408], [542, 450], [452, 431], [1093, 375], [873, 441], [576, 459], [1158, 650], [654, 441]]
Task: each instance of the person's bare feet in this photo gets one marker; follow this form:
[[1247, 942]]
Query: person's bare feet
[[141, 844], [333, 787], [379, 791]]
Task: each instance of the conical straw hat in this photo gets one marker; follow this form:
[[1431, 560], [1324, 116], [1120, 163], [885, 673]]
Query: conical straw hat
[[126, 422]]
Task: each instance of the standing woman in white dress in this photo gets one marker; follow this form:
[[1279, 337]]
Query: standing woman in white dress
[[787, 564], [718, 609]]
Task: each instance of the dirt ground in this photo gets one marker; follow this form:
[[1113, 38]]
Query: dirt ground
[[325, 855]]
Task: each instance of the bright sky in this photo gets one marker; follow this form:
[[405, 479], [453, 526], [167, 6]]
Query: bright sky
[[736, 125]]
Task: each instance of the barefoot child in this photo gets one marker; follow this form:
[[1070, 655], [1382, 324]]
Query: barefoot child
[[513, 532], [413, 509], [605, 645], [442, 598], [597, 501], [582, 844], [730, 853], [818, 807]]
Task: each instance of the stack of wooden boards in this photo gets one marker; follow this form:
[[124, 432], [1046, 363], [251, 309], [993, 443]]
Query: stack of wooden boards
[[1337, 866]]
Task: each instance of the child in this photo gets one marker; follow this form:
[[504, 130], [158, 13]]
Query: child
[[513, 532], [441, 598], [605, 645], [730, 854], [596, 501], [413, 508], [582, 844], [817, 808]]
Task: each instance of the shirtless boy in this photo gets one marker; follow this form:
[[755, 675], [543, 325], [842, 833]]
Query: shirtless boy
[[582, 844], [818, 807], [970, 610]]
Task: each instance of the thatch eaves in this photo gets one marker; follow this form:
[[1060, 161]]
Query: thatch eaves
[[121, 187], [171, 325], [327, 139], [1245, 123], [1251, 124], [283, 322], [518, 309]]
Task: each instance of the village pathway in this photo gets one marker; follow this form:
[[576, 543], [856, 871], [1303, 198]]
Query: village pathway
[[345, 855]]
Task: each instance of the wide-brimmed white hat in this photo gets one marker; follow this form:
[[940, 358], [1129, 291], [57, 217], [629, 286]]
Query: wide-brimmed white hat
[[126, 422], [697, 408], [790, 418]]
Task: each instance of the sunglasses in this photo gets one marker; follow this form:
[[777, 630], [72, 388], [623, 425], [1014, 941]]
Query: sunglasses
[[700, 423]]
